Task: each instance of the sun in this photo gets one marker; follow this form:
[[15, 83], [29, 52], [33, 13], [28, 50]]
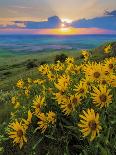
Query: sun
[[62, 25], [66, 20], [64, 28]]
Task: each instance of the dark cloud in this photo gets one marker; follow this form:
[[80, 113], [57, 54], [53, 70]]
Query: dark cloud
[[112, 13], [108, 21], [52, 22]]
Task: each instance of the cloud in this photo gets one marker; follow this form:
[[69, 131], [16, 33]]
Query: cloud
[[108, 21], [52, 22], [105, 22], [19, 7], [112, 13], [11, 24]]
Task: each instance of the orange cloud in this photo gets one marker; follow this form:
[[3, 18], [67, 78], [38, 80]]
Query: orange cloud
[[22, 19], [5, 23]]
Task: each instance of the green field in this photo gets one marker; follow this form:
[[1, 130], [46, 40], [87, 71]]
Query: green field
[[14, 67]]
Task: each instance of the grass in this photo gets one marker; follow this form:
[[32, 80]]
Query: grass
[[14, 67]]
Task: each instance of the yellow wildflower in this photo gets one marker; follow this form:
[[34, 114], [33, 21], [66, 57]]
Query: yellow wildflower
[[59, 96], [89, 123], [63, 83], [51, 76], [101, 97], [39, 81], [17, 132], [15, 102], [94, 71], [28, 121], [85, 55], [38, 103], [44, 69], [27, 92], [20, 84], [46, 120], [112, 80], [81, 89], [69, 104], [69, 60], [108, 49], [110, 65]]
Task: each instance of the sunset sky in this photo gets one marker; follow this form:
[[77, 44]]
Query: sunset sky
[[37, 11]]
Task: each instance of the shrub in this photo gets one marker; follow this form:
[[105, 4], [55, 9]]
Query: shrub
[[61, 58], [7, 73], [43, 62], [31, 64]]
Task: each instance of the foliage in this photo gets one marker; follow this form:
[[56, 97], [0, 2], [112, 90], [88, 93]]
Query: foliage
[[61, 58], [31, 64]]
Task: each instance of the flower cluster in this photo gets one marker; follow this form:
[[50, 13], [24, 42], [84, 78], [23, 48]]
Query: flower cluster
[[68, 89]]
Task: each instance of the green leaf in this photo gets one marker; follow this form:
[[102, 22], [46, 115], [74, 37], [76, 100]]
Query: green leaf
[[50, 137], [1, 149], [103, 151], [2, 138], [65, 121], [78, 146], [35, 130], [85, 152], [37, 143], [71, 128], [67, 151]]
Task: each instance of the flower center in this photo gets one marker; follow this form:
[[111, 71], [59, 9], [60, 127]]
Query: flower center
[[75, 100], [104, 82], [103, 98], [86, 55], [38, 106], [70, 106], [106, 72], [88, 83], [111, 66], [81, 90], [52, 76], [49, 90], [62, 92], [20, 133], [92, 125], [96, 74]]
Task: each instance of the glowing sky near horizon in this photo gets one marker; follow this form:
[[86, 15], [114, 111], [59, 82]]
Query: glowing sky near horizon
[[56, 31]]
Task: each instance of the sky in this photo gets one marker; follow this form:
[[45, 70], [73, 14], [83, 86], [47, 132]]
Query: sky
[[41, 10]]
